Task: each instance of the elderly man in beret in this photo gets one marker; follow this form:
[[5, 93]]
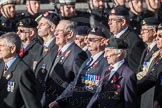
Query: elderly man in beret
[[119, 27], [89, 74], [117, 86], [148, 34], [31, 48]]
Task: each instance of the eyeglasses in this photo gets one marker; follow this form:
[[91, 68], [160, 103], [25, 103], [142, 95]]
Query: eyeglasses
[[93, 39], [22, 31], [114, 20], [146, 30]]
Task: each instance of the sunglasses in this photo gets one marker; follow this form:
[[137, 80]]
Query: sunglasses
[[22, 31]]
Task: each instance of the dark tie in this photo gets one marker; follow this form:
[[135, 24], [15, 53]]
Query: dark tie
[[21, 53], [88, 63], [107, 73], [5, 70]]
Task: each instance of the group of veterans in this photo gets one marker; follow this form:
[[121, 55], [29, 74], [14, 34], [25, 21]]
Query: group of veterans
[[105, 57]]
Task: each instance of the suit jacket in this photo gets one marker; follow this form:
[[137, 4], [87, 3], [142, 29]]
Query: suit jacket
[[118, 92], [64, 71], [150, 78], [135, 49], [18, 91], [80, 97], [146, 56], [32, 53], [43, 67]]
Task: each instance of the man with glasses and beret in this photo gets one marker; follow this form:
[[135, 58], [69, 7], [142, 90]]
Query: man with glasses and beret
[[81, 38], [148, 35], [158, 86], [119, 27], [31, 49], [117, 86], [66, 63], [89, 73]]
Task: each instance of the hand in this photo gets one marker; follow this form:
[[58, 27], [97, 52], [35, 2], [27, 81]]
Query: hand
[[54, 104]]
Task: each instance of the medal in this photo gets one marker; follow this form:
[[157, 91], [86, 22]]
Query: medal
[[43, 68], [10, 86]]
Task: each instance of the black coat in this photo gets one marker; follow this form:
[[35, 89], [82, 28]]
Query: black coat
[[135, 49], [24, 93]]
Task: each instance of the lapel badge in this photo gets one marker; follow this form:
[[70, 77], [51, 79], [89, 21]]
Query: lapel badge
[[34, 65], [8, 76], [43, 68], [10, 86]]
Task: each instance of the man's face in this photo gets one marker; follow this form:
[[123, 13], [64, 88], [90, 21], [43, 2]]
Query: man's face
[[153, 4], [8, 10], [115, 24], [68, 10], [5, 50], [159, 39], [120, 2], [96, 4], [43, 27], [33, 7], [94, 43], [111, 56], [79, 40], [136, 5], [147, 34], [24, 33], [61, 34]]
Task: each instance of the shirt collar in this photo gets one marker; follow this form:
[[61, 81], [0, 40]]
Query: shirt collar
[[48, 43], [10, 62], [152, 45], [65, 47], [117, 65], [96, 56], [120, 33]]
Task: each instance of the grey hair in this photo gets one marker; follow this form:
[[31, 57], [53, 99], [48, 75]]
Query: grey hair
[[122, 51], [12, 39], [70, 26]]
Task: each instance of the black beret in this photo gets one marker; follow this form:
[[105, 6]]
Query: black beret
[[120, 11], [150, 21], [117, 43], [82, 30], [100, 31], [51, 16], [27, 22]]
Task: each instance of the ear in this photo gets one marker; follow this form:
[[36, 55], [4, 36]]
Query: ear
[[123, 22], [13, 49], [70, 35], [53, 27]]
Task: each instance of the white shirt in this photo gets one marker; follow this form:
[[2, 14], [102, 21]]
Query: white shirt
[[48, 43], [115, 68], [65, 47], [96, 56]]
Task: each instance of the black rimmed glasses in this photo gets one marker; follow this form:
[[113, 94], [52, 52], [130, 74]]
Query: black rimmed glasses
[[93, 39]]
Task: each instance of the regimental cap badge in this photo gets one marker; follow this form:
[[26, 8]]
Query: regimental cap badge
[[143, 22], [21, 23], [113, 11]]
